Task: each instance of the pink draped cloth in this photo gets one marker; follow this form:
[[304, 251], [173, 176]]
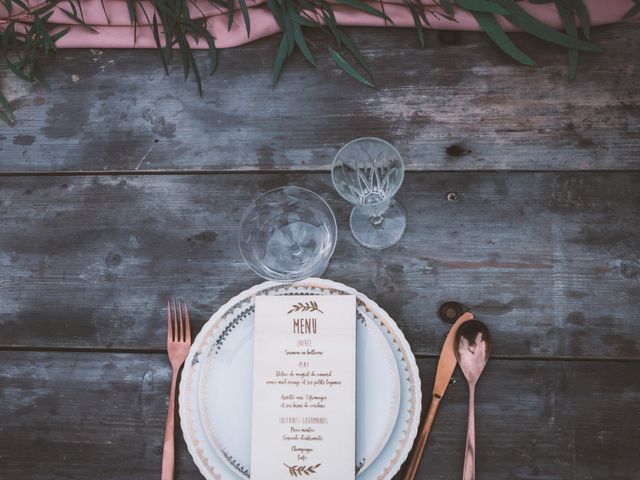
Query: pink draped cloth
[[114, 30]]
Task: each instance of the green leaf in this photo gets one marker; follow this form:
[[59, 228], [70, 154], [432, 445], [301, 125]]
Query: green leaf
[[305, 22], [196, 72], [201, 31], [73, 16], [330, 22], [245, 15], [490, 25], [213, 56], [230, 13], [420, 10], [9, 6], [37, 74], [353, 49], [6, 112], [6, 119], [42, 9], [4, 103], [144, 12], [21, 4], [583, 14], [156, 37], [57, 36], [73, 8], [346, 66], [521, 19], [418, 23], [359, 5], [184, 54], [288, 33], [17, 68], [281, 56], [302, 44], [276, 10], [570, 26], [633, 11], [133, 18], [482, 6], [447, 7], [79, 8], [106, 14]]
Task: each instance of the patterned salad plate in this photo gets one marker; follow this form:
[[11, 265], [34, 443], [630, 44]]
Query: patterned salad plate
[[215, 390]]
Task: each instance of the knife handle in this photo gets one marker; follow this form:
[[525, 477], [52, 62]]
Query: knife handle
[[421, 442]]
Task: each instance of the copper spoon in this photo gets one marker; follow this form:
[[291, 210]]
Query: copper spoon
[[473, 347], [446, 366]]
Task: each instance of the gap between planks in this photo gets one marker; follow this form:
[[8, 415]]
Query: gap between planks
[[111, 173], [159, 351]]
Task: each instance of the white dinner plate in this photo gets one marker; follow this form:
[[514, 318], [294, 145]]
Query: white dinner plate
[[225, 387], [223, 457]]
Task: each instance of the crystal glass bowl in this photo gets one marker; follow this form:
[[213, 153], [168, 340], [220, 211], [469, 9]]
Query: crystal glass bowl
[[288, 234]]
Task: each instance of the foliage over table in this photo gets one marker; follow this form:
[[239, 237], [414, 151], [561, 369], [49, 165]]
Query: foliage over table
[[26, 37]]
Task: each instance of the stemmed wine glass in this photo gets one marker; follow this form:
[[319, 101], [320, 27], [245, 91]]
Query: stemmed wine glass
[[288, 234], [368, 172]]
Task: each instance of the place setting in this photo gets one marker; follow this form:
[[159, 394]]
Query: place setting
[[324, 240], [303, 376]]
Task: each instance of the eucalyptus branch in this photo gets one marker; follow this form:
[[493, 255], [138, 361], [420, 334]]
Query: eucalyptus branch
[[26, 37]]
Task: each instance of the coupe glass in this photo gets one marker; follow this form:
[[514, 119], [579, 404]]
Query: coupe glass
[[288, 234], [368, 172]]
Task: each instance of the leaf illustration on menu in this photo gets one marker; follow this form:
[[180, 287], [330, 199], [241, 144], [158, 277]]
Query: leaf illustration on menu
[[310, 306], [299, 470]]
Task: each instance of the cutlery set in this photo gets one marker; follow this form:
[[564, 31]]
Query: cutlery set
[[467, 344]]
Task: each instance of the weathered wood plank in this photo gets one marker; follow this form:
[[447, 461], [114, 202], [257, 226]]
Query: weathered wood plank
[[549, 260], [67, 415], [459, 104]]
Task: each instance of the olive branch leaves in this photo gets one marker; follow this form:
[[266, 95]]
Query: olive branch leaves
[[299, 470], [26, 37], [310, 306]]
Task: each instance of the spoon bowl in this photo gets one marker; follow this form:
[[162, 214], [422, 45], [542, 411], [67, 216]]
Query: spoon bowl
[[473, 348]]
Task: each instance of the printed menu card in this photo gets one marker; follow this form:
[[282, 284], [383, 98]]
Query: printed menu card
[[304, 388]]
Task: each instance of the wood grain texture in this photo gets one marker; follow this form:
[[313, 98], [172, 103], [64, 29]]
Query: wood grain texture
[[459, 104], [548, 260], [68, 415]]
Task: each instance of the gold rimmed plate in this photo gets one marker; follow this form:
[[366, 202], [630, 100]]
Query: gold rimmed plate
[[216, 398]]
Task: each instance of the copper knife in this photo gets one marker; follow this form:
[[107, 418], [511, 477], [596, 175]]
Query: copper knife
[[446, 365]]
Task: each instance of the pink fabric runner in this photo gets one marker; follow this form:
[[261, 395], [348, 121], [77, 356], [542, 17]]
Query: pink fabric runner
[[114, 30]]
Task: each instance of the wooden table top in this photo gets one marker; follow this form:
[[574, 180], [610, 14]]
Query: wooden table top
[[121, 187]]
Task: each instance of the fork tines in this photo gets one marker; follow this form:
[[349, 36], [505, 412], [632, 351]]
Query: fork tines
[[178, 328]]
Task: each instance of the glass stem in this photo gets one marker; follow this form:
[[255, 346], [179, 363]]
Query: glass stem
[[375, 213], [295, 249], [376, 220]]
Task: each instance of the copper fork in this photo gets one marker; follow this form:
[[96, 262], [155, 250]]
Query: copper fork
[[178, 343]]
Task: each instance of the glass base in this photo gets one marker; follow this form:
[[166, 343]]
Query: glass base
[[293, 252], [382, 235]]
